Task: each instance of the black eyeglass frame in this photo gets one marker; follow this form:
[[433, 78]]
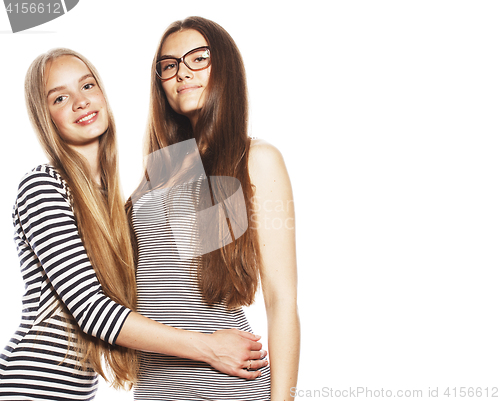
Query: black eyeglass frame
[[181, 60]]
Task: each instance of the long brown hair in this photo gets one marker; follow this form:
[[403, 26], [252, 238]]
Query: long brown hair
[[99, 213], [229, 274]]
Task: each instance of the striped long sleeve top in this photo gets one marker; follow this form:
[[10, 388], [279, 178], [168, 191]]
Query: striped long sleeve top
[[40, 362]]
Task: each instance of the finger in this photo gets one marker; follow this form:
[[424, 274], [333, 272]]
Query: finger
[[255, 346], [249, 374], [249, 336], [258, 364], [256, 355]]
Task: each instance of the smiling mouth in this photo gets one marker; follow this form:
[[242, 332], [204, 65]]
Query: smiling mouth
[[188, 89], [86, 118]]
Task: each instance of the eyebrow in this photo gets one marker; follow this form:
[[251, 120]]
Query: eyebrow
[[58, 88], [167, 56]]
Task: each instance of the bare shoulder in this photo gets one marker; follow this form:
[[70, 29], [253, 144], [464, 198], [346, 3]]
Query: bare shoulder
[[266, 167], [264, 158]]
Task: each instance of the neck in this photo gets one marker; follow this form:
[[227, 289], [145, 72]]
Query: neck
[[193, 118], [91, 154]]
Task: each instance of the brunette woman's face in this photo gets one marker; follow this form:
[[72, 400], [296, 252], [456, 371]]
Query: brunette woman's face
[[76, 104], [186, 91]]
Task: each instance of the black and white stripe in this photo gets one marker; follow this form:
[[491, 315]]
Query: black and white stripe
[[39, 363], [168, 293]]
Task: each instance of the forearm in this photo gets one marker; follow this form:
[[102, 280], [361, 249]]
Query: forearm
[[141, 333], [284, 349], [228, 351]]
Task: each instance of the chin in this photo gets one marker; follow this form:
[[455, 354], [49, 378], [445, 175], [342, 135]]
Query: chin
[[189, 111]]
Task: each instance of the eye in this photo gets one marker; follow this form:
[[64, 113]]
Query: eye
[[59, 99], [168, 65], [200, 56], [88, 86]]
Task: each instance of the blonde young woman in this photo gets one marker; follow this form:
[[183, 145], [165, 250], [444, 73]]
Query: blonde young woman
[[199, 91], [76, 259]]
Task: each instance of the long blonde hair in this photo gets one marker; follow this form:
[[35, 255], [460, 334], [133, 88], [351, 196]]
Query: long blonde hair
[[99, 214]]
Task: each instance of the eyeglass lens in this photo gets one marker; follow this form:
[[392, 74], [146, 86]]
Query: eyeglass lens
[[195, 60]]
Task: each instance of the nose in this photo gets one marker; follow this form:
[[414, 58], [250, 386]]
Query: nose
[[80, 102], [183, 72]]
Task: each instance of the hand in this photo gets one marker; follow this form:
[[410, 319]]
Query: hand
[[234, 351]]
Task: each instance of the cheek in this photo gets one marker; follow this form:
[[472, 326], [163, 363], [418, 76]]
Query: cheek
[[57, 117], [106, 118], [205, 78], [167, 86], [168, 89], [99, 100], [207, 74]]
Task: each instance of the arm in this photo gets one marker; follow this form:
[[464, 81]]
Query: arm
[[274, 219], [49, 229], [226, 350]]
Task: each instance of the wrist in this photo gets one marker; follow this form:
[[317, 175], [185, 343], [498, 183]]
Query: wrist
[[201, 347]]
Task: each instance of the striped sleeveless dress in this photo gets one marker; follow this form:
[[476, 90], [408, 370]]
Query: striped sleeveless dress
[[39, 362], [168, 293]]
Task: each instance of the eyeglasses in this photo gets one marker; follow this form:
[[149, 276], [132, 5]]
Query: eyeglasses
[[196, 60]]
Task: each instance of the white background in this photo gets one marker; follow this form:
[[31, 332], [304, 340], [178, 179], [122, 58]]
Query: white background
[[387, 114]]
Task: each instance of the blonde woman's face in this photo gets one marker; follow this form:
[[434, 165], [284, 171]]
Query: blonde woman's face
[[186, 91], [76, 104]]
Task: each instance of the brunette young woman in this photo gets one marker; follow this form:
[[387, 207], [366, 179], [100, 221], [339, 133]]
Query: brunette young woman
[[199, 92], [74, 247]]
